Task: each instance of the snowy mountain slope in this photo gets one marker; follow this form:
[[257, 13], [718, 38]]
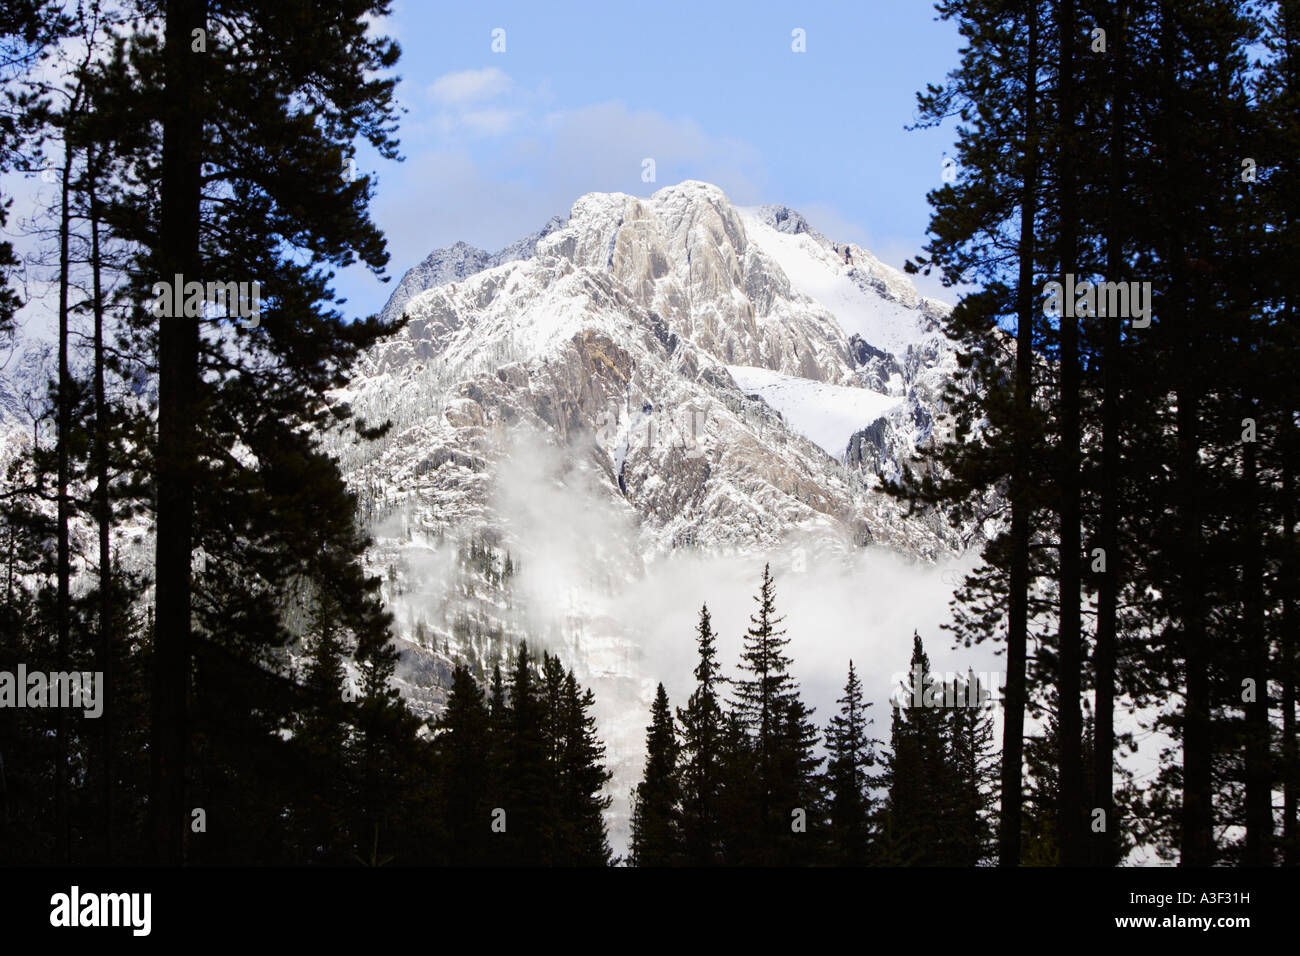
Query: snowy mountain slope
[[865, 296], [624, 325], [459, 261], [828, 415], [661, 379]]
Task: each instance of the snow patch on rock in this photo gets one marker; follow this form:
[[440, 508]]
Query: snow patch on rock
[[828, 415]]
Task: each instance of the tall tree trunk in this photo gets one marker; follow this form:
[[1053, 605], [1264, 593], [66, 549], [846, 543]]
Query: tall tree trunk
[[1259, 773], [63, 607], [1197, 848], [178, 338], [1069, 658], [1287, 665], [1287, 669], [103, 512], [1196, 842], [1103, 744], [1013, 728]]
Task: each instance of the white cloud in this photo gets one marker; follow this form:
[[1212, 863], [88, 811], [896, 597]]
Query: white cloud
[[469, 86], [489, 122], [605, 144], [443, 196], [586, 589], [458, 191], [488, 173]]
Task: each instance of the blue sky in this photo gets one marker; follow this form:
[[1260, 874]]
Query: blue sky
[[495, 143]]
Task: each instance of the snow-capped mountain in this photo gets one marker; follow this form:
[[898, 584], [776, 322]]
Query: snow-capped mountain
[[735, 376], [459, 261], [624, 414], [644, 381]]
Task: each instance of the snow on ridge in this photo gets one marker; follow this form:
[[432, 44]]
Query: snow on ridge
[[460, 261], [891, 321], [827, 415]]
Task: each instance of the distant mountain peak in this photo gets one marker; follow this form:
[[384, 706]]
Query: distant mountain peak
[[683, 303], [457, 262]]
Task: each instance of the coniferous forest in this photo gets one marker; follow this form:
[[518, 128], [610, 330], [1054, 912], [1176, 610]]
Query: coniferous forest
[[747, 778], [1120, 235]]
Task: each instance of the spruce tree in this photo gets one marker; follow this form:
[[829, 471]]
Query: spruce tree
[[759, 697], [850, 757], [799, 788], [656, 808], [462, 753], [742, 841], [498, 757], [970, 752], [780, 733], [703, 729], [551, 690], [582, 802], [529, 796], [916, 769]]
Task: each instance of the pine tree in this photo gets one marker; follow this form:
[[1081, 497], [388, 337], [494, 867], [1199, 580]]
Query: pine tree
[[529, 796], [25, 630], [850, 755], [656, 808], [780, 732], [986, 229], [916, 769], [1278, 146], [462, 753], [970, 742], [581, 799], [239, 175], [28, 28], [1201, 344], [1075, 430], [1111, 481], [703, 728]]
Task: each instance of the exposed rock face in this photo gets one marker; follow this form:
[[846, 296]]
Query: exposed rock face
[[876, 368], [616, 340]]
